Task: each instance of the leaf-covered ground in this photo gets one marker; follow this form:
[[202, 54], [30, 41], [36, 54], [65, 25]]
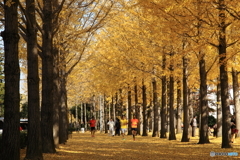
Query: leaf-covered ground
[[81, 146]]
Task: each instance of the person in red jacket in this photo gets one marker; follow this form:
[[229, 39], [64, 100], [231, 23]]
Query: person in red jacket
[[92, 123]]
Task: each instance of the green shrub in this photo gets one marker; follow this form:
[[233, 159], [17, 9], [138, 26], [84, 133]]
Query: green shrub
[[23, 140], [211, 121], [71, 129]]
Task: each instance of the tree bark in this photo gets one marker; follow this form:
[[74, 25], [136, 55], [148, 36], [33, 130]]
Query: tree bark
[[219, 110], [172, 134], [145, 120], [56, 97], [47, 80], [155, 132], [137, 109], [179, 108], [63, 115], [185, 136], [163, 132], [10, 137], [203, 102], [222, 49], [56, 86], [236, 98], [34, 145], [129, 109], [105, 114]]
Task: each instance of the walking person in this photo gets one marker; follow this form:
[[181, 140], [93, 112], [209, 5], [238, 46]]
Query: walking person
[[124, 123], [234, 129], [111, 125], [215, 130], [194, 125], [117, 127], [134, 123], [92, 123]]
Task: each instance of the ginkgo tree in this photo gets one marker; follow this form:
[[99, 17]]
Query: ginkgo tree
[[187, 20]]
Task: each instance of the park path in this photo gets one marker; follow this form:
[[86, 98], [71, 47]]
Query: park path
[[81, 146]]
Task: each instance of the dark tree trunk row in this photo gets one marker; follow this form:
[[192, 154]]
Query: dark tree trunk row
[[34, 146], [172, 134], [203, 102], [219, 110], [137, 108], [47, 79], [185, 136], [163, 132], [155, 132], [179, 108], [222, 49], [10, 137], [129, 109], [145, 119], [236, 98]]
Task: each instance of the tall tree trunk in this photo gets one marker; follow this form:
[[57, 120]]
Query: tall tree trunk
[[190, 111], [63, 115], [56, 97], [203, 102], [236, 98], [105, 114], [34, 145], [101, 113], [219, 110], [137, 109], [185, 136], [120, 102], [129, 109], [222, 48], [172, 135], [47, 80], [56, 86], [155, 132], [117, 108], [163, 133], [179, 108], [85, 115], [112, 109], [145, 120], [10, 137]]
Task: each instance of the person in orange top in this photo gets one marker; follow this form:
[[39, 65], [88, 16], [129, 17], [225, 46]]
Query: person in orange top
[[134, 123]]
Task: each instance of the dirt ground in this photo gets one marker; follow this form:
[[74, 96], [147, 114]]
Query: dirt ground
[[81, 146]]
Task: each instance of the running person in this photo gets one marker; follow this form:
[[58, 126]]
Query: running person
[[124, 123], [134, 123], [92, 123], [111, 125]]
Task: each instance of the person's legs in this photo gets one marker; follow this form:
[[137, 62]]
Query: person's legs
[[133, 133], [94, 132], [118, 132], [113, 131], [110, 131], [232, 137], [193, 131], [123, 133], [91, 131]]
